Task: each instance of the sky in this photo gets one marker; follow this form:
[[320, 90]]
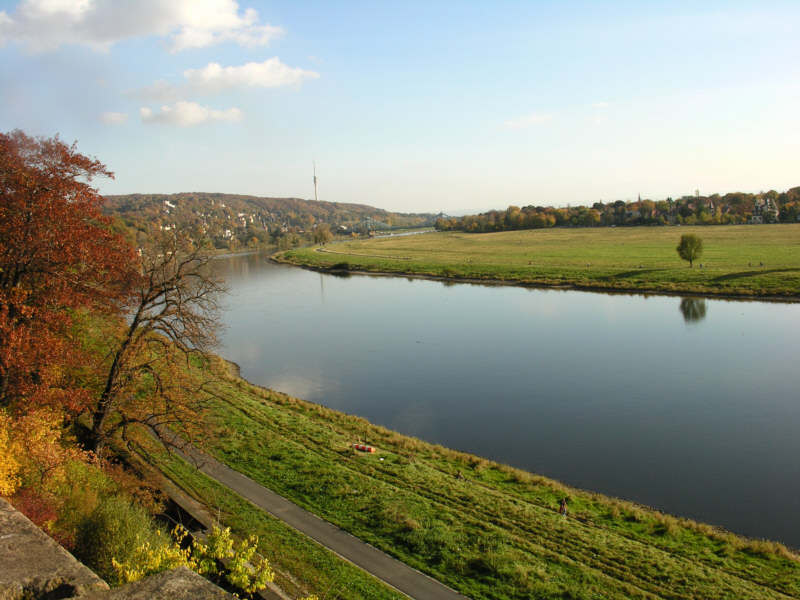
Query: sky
[[432, 106]]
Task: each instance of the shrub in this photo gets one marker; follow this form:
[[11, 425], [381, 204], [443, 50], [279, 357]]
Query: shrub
[[39, 507], [114, 530], [220, 558], [241, 569], [147, 560], [61, 499], [79, 492]]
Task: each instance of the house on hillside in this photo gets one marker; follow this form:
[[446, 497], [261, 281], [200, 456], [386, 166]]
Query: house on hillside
[[765, 210]]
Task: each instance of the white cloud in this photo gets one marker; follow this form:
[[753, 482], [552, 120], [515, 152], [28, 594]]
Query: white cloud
[[114, 118], [185, 114], [44, 25], [270, 73], [212, 22], [526, 122], [214, 78]]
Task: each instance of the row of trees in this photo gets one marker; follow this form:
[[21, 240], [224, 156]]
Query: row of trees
[[730, 208]]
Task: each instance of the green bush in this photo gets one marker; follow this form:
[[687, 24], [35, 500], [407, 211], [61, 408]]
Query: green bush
[[114, 530], [80, 493]]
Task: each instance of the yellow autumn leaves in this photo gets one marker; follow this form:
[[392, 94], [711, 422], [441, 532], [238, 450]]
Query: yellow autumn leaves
[[218, 557], [31, 449]]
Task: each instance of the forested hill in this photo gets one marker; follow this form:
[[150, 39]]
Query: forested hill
[[232, 220]]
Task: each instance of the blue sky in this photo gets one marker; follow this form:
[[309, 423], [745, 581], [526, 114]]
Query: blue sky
[[414, 106]]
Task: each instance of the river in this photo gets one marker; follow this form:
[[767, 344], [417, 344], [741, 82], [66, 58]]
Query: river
[[689, 406]]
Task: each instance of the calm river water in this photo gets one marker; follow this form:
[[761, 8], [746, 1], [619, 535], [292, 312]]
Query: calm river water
[[688, 406]]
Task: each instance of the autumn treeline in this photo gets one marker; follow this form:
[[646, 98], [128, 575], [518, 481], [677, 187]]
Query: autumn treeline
[[731, 208], [96, 337]]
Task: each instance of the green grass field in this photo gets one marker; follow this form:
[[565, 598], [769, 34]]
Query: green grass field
[[742, 260], [492, 533]]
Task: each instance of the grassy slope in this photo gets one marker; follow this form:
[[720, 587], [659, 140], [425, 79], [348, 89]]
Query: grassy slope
[[494, 534], [732, 258], [301, 566]]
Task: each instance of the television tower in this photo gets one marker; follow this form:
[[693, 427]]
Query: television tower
[[315, 182]]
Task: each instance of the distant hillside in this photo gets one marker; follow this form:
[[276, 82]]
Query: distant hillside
[[232, 220]]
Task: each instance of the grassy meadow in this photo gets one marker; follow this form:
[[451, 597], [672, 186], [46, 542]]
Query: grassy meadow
[[488, 530], [740, 260]]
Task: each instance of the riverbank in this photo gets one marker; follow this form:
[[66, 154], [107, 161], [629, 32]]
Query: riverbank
[[345, 272], [739, 262], [483, 528]]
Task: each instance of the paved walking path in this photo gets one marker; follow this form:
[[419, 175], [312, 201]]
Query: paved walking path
[[391, 571]]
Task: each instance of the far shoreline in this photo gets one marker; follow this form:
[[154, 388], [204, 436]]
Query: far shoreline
[[276, 258]]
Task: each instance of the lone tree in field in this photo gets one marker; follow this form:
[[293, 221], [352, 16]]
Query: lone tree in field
[[690, 247]]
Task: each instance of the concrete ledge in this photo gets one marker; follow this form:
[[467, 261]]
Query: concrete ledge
[[178, 584], [34, 566]]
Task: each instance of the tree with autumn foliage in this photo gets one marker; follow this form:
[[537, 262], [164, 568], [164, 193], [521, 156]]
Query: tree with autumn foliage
[[171, 322], [58, 259], [67, 277], [58, 255]]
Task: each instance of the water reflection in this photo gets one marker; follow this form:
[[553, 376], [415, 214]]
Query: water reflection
[[693, 309]]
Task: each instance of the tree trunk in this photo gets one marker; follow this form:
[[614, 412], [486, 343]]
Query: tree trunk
[[106, 401]]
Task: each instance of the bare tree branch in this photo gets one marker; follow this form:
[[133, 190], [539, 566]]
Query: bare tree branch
[[172, 317]]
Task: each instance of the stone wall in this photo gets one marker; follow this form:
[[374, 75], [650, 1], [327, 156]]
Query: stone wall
[[34, 567]]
